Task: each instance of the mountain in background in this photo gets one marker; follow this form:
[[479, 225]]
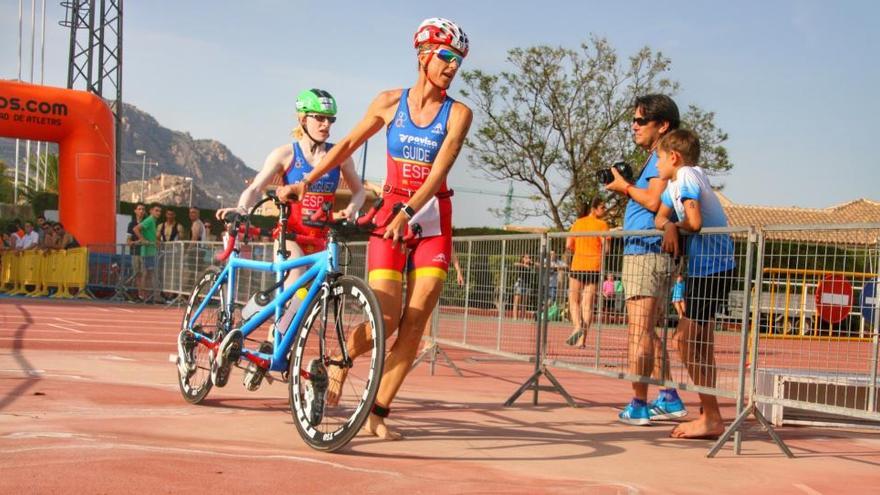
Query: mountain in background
[[214, 168]]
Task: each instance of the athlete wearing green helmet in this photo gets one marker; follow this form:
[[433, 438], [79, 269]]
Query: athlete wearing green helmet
[[315, 101], [316, 113]]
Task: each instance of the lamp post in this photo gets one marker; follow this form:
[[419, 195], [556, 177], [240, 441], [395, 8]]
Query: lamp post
[[190, 180], [143, 170]]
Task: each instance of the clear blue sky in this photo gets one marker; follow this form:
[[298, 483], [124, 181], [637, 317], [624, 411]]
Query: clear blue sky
[[793, 82]]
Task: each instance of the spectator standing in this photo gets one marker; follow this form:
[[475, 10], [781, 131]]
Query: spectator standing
[[64, 239], [49, 240], [619, 297], [41, 229], [608, 296], [524, 271], [146, 232], [710, 264], [137, 262], [555, 267], [30, 239], [171, 230], [646, 269], [586, 264], [197, 228]]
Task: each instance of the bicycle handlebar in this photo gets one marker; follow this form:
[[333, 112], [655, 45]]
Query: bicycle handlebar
[[320, 219]]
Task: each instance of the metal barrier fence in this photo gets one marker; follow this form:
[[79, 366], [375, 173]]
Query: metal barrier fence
[[494, 309], [788, 316], [819, 351]]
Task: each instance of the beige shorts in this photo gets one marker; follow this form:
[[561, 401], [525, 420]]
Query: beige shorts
[[646, 275], [137, 264]]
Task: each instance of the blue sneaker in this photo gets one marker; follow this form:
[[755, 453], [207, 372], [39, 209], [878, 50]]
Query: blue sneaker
[[667, 406], [636, 413]]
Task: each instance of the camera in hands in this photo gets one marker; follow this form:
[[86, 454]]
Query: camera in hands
[[605, 176]]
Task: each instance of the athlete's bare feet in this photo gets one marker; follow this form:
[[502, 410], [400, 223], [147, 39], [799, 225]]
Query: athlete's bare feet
[[700, 428], [376, 426], [337, 375]]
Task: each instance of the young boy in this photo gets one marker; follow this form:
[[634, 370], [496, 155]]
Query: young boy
[[710, 266]]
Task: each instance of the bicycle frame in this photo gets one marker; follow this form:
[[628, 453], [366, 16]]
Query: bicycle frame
[[320, 265]]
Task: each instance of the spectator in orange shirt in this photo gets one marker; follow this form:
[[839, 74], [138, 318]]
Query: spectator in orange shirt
[[586, 263]]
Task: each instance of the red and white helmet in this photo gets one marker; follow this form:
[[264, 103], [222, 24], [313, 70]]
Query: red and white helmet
[[441, 31]]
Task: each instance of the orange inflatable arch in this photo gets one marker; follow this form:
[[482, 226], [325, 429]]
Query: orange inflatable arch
[[82, 125]]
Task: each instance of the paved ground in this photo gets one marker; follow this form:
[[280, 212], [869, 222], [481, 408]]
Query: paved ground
[[89, 404]]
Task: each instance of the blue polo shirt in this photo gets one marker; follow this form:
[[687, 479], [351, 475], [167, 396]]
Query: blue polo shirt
[[637, 217]]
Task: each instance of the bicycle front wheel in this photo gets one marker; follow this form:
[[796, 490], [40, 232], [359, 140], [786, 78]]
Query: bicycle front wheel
[[330, 400]]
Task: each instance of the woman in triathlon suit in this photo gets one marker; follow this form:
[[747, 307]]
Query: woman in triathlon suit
[[289, 163], [425, 130]]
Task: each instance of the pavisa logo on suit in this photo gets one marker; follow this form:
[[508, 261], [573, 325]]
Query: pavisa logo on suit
[[418, 151]]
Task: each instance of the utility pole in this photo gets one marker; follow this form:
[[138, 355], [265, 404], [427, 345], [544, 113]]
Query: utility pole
[[508, 204]]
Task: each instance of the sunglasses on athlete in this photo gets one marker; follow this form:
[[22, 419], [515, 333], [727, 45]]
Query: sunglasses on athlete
[[323, 118], [448, 56]]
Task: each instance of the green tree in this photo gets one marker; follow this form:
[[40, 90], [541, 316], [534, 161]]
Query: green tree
[[6, 186], [560, 115]]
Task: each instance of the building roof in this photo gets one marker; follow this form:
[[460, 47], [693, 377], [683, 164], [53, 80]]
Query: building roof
[[859, 211]]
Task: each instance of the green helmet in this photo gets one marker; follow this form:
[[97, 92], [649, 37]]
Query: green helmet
[[315, 101]]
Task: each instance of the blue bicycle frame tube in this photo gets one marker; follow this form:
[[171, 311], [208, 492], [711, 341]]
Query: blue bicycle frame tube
[[320, 262]]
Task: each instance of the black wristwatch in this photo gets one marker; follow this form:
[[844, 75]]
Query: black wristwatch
[[408, 211]]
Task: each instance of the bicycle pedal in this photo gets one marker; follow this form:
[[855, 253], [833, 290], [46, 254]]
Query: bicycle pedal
[[228, 354], [253, 375]]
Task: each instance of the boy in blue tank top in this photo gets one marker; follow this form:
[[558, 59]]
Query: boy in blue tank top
[[710, 265]]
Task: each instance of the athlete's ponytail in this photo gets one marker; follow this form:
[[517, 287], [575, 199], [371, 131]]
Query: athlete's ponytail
[[298, 132]]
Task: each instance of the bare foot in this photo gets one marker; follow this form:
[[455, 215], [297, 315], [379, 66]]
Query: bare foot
[[337, 375], [376, 426], [700, 428]]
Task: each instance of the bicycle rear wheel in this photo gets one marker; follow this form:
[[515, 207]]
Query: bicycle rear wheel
[[195, 383], [352, 313]]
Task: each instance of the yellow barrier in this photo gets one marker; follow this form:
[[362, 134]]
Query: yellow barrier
[[75, 273], [34, 272], [40, 287], [53, 270], [8, 266], [27, 272]]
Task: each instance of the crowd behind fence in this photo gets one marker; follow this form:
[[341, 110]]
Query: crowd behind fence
[[796, 328]]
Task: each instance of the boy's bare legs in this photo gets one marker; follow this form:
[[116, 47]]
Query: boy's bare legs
[[679, 308], [696, 343], [642, 341]]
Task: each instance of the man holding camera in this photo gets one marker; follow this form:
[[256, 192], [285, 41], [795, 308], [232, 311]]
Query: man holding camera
[[646, 269]]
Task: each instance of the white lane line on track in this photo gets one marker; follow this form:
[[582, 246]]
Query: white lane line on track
[[804, 488], [104, 322], [91, 333], [62, 320], [90, 341], [65, 328], [176, 450]]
